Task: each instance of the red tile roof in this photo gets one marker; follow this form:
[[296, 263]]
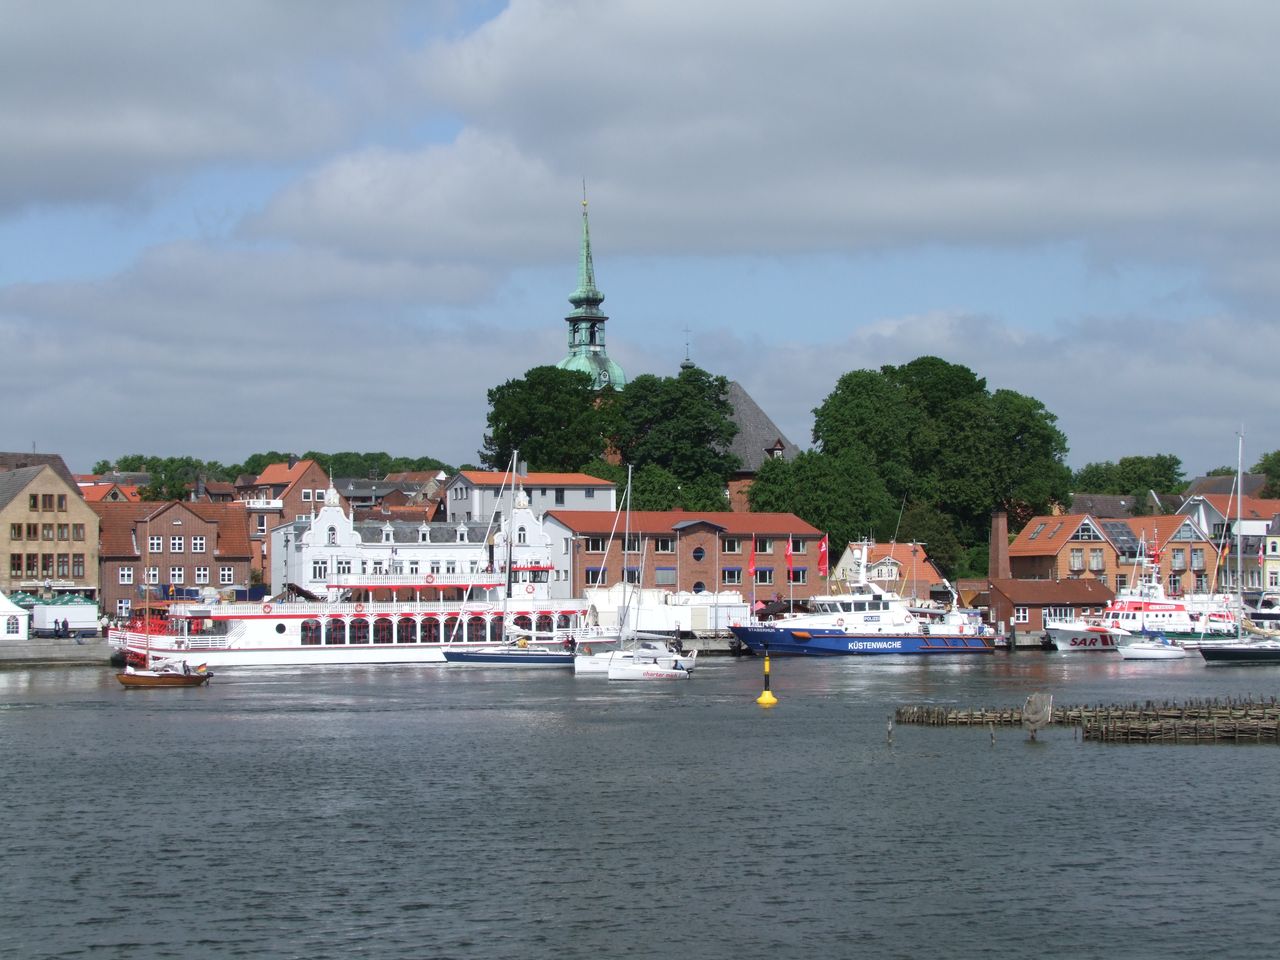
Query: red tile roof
[[96, 492], [1053, 535], [666, 521], [1037, 592], [1251, 508], [283, 473], [119, 521]]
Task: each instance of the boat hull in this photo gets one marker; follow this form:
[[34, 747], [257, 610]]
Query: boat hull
[[1253, 653], [145, 680], [1151, 650], [514, 658], [830, 642], [1091, 639]]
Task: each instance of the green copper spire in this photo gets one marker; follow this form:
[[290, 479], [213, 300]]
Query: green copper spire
[[586, 322]]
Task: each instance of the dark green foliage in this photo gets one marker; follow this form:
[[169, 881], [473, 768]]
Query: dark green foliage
[[682, 424], [1132, 476], [551, 417], [937, 439], [840, 495], [1269, 465]]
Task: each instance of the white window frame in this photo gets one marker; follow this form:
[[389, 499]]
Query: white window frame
[[226, 576], [177, 544], [197, 544], [177, 576], [126, 576], [202, 575]]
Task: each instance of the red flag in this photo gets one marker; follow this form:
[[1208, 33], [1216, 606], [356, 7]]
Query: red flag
[[751, 563], [788, 554], [822, 556]]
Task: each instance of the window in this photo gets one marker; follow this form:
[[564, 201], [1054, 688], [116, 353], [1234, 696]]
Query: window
[[176, 575], [522, 535], [226, 576], [155, 544], [596, 576], [731, 576], [177, 544], [33, 502], [262, 523], [764, 576], [64, 565], [46, 564], [306, 495], [77, 531], [197, 544], [764, 545], [15, 564], [343, 566], [319, 569], [46, 531], [595, 544], [699, 554], [1197, 558], [11, 625], [62, 503], [1178, 559], [1022, 614], [15, 531], [798, 575], [631, 543], [319, 496], [1273, 578], [559, 498], [1077, 559], [664, 545], [664, 576], [1096, 561], [202, 575], [46, 502], [33, 531], [1035, 533], [64, 531], [1058, 613], [731, 545], [123, 608], [591, 494], [126, 575], [632, 575], [1122, 581]]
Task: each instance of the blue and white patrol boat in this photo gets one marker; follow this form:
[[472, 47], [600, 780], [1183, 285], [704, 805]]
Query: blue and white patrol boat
[[869, 620]]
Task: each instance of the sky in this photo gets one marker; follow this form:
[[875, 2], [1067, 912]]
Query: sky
[[239, 227]]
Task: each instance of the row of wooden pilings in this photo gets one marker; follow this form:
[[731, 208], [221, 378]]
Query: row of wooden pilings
[[1196, 721]]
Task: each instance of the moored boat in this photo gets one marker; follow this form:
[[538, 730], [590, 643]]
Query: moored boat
[[164, 674], [1156, 648], [868, 620]]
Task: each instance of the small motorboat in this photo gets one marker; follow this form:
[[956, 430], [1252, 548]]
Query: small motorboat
[[164, 673], [1156, 648], [648, 669]]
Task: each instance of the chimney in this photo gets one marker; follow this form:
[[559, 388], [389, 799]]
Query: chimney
[[998, 557]]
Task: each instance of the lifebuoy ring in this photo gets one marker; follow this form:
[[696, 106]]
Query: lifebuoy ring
[[431, 578], [908, 618], [359, 608], [529, 588], [840, 622], [586, 650], [180, 644], [266, 608]]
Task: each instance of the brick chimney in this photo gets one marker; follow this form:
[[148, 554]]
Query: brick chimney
[[998, 557]]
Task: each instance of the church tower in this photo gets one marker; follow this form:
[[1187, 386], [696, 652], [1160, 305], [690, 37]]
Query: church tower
[[586, 323]]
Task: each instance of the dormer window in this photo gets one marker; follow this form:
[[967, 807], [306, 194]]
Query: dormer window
[[521, 535], [388, 535], [333, 536]]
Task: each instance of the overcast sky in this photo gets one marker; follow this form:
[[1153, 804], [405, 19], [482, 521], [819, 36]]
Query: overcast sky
[[235, 227]]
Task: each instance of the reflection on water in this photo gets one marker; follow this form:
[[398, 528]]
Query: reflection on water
[[429, 811]]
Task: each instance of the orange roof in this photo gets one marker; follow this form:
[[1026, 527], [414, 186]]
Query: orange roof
[[1251, 508], [97, 492], [495, 478], [666, 521], [283, 473], [1045, 535]]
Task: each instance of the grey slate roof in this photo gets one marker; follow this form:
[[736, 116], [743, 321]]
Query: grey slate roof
[[756, 432], [1250, 484], [13, 482], [406, 531], [1102, 504], [13, 461]]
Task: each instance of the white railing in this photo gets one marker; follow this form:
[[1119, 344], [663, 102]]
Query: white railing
[[374, 580], [264, 504]]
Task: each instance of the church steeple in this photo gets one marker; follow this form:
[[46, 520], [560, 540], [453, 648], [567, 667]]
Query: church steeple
[[587, 320]]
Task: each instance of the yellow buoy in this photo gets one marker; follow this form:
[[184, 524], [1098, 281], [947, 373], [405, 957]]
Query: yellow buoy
[[766, 699]]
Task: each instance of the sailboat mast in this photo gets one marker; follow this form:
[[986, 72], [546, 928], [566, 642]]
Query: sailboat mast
[[1239, 533]]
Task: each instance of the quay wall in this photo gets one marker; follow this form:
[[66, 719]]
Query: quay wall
[[63, 650]]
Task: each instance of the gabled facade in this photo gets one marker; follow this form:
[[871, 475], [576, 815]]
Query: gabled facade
[[163, 550], [1021, 606], [483, 494], [758, 439], [282, 493], [48, 534], [904, 568], [685, 551]]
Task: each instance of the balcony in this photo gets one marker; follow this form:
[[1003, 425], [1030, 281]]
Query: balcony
[[272, 505]]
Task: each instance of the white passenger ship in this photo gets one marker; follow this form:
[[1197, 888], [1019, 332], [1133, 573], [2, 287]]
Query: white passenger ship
[[388, 615]]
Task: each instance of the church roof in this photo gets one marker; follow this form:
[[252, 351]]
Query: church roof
[[757, 435]]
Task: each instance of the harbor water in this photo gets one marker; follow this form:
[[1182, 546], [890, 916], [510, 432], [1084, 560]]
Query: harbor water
[[438, 811]]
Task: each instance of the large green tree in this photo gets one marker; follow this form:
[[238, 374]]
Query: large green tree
[[935, 436], [1133, 475], [683, 424], [553, 417], [839, 494], [1269, 464]]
